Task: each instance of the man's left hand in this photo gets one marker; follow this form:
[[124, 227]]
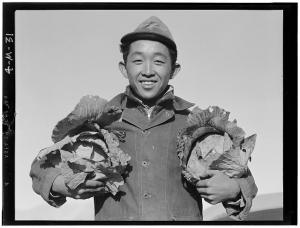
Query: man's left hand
[[217, 187]]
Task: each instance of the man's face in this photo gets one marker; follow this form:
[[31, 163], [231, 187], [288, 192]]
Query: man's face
[[148, 68]]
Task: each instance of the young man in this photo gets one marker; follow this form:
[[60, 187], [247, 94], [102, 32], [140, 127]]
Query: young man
[[151, 118]]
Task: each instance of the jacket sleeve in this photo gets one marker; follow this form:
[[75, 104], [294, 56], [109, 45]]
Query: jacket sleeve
[[240, 209], [43, 173]]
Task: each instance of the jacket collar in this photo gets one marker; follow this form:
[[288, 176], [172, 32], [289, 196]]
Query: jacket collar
[[128, 102], [178, 103]]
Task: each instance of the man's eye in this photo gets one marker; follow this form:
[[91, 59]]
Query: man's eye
[[159, 62], [137, 61]]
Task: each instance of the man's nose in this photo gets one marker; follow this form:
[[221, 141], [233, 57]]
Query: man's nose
[[148, 70]]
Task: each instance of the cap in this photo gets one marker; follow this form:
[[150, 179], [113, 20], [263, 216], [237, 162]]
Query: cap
[[151, 29]]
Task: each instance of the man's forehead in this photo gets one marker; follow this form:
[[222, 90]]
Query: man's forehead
[[145, 46], [148, 43], [163, 54]]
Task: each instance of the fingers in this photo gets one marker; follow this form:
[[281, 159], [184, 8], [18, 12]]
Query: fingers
[[94, 184], [211, 173], [206, 182], [208, 197], [84, 196], [203, 192], [88, 193], [202, 187], [96, 176], [99, 177], [209, 200], [89, 190], [202, 184]]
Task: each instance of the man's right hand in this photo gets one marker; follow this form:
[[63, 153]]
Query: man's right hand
[[88, 189]]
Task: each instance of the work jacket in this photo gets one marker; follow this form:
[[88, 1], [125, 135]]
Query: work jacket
[[154, 188]]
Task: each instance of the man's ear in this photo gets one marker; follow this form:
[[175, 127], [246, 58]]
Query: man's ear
[[123, 69], [175, 71]]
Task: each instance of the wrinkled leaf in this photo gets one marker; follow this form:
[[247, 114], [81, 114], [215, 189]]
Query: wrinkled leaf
[[229, 163], [88, 108], [211, 141], [93, 153]]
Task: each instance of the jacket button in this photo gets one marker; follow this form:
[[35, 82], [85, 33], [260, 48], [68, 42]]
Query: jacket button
[[147, 195], [145, 164], [146, 132]]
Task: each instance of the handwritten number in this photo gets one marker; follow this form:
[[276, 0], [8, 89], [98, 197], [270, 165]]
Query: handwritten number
[[8, 69], [9, 40]]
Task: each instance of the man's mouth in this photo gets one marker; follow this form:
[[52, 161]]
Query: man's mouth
[[147, 83]]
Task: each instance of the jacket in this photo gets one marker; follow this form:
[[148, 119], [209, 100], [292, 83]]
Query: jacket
[[154, 188]]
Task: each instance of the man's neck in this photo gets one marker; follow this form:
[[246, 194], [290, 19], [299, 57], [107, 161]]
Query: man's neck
[[148, 103]]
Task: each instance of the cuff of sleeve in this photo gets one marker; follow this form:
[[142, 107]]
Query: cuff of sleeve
[[52, 199], [239, 202], [235, 209], [239, 210]]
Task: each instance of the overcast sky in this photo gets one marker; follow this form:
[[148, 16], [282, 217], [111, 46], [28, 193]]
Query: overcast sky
[[232, 59]]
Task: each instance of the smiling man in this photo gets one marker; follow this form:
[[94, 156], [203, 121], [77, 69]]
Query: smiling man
[[151, 118], [148, 68]]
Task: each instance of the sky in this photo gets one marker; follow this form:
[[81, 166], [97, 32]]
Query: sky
[[232, 59]]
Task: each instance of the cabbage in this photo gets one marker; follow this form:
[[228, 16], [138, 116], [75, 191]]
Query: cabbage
[[212, 142], [89, 154], [86, 148]]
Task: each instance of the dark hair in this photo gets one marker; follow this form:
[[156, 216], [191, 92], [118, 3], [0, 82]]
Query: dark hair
[[124, 48]]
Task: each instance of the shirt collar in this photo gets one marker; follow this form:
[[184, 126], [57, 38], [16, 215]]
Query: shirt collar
[[168, 97]]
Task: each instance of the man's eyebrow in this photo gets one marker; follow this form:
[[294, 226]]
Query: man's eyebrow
[[155, 54], [160, 54], [136, 53]]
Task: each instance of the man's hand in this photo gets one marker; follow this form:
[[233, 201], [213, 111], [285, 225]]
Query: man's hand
[[217, 187], [88, 189]]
